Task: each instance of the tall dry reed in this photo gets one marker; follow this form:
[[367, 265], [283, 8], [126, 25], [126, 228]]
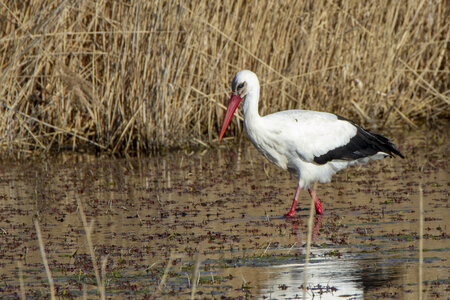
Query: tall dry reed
[[142, 75]]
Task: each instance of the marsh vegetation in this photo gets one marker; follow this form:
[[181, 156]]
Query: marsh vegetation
[[134, 77]]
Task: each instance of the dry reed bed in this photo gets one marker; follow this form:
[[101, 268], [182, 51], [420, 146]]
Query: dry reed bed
[[139, 76]]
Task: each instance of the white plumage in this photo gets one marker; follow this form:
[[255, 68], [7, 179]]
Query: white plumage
[[311, 145]]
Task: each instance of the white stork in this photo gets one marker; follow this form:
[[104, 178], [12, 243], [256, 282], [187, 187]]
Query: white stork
[[311, 145]]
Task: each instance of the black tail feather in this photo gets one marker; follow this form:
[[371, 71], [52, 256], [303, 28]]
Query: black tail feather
[[363, 144], [385, 143]]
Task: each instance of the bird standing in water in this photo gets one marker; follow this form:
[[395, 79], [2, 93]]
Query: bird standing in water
[[311, 145]]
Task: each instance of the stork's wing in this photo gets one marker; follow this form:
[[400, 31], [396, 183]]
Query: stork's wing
[[322, 137]]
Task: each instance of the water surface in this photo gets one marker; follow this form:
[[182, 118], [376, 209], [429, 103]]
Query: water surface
[[223, 210]]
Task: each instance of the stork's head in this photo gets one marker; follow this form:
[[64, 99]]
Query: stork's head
[[244, 82]]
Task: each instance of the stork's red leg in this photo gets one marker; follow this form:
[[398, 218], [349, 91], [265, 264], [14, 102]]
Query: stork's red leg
[[291, 213], [317, 203]]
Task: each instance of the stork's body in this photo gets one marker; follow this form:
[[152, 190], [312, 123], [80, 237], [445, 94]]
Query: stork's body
[[311, 145]]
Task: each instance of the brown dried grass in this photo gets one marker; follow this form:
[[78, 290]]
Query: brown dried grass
[[140, 76]]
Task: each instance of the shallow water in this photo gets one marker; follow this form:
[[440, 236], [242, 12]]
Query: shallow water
[[223, 210]]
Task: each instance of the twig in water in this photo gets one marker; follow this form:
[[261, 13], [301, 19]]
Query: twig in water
[[420, 241], [212, 277], [166, 271], [308, 241], [84, 292], [267, 216], [23, 296], [292, 247], [104, 262], [140, 220], [88, 230], [44, 260], [195, 276], [265, 250]]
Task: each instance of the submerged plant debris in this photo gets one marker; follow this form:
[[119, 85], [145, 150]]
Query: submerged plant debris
[[155, 221]]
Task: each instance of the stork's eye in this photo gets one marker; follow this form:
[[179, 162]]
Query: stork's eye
[[240, 86]]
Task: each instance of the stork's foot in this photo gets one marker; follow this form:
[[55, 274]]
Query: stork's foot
[[291, 212], [318, 205]]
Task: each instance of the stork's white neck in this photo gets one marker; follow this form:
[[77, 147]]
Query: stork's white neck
[[250, 106]]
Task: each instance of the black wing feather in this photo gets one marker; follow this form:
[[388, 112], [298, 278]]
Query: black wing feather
[[363, 144]]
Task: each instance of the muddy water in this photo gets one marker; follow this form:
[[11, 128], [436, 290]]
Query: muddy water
[[155, 220]]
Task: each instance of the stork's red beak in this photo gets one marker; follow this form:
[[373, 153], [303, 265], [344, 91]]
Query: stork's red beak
[[232, 106]]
